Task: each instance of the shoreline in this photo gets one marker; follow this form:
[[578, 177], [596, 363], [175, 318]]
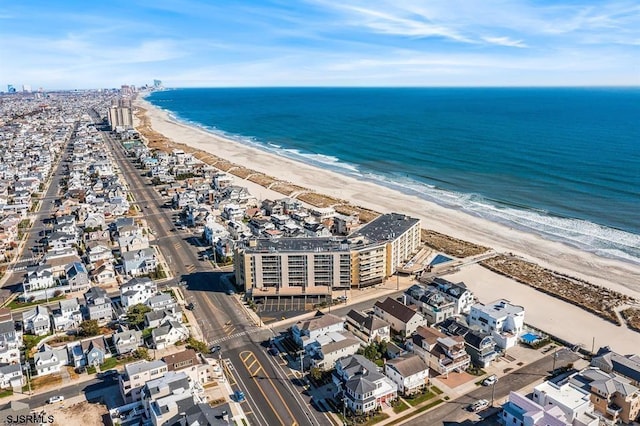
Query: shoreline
[[614, 274]]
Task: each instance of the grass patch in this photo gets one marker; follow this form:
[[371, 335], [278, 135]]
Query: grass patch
[[436, 390], [16, 304], [417, 411], [31, 341], [6, 392], [45, 381], [420, 398], [400, 407], [108, 364], [91, 369]]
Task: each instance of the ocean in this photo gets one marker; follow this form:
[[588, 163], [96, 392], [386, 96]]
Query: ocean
[[563, 163]]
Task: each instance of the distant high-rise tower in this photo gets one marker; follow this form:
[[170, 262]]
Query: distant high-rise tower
[[10, 88], [121, 115], [157, 84], [26, 88]]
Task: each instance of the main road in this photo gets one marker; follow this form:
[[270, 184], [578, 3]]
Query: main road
[[271, 396]]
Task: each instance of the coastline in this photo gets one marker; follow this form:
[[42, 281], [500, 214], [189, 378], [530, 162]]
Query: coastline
[[611, 273]]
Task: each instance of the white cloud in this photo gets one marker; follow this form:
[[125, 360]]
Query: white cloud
[[505, 41]]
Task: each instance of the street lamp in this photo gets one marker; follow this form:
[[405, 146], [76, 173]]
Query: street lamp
[[493, 392]]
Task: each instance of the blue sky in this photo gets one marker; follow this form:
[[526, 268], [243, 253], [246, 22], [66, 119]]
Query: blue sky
[[197, 43]]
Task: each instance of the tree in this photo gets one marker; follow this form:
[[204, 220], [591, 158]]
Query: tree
[[136, 313], [142, 353], [197, 345], [89, 328], [316, 374], [371, 352]]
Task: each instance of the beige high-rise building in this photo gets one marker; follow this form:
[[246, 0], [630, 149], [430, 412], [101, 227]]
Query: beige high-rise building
[[121, 114]]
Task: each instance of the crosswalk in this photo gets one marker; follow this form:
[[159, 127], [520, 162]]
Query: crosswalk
[[235, 336]]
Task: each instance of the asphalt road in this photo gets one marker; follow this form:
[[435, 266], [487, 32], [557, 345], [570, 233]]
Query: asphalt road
[[454, 411], [30, 253], [94, 391], [271, 397]]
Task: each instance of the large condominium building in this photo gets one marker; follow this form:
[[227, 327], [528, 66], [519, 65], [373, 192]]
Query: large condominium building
[[380, 246], [121, 115], [294, 267], [314, 267]]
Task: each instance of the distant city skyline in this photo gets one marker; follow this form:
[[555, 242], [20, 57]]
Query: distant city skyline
[[195, 43]]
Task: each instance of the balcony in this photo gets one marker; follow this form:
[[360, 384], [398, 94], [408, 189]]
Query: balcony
[[613, 410]]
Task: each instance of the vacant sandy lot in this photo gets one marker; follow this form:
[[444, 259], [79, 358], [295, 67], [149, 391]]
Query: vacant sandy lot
[[80, 413]]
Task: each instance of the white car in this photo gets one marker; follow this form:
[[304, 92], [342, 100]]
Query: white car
[[54, 399], [490, 381], [479, 405]]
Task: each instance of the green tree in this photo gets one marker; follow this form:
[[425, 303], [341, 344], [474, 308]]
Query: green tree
[[142, 353], [197, 345], [136, 313], [316, 373], [89, 328]]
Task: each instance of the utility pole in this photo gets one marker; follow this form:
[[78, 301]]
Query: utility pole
[[555, 354], [493, 392], [397, 281]]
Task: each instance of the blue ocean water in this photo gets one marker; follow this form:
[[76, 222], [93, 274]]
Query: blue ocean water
[[561, 162]]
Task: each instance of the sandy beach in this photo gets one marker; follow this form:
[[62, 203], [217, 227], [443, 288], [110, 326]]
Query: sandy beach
[[616, 275]]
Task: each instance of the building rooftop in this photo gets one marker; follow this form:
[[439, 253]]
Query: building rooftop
[[318, 245], [500, 308], [387, 227]]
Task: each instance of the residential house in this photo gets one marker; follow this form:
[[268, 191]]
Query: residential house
[[189, 362], [37, 321], [98, 250], [611, 395], [89, 352], [521, 411], [67, 315], [136, 291], [574, 403], [368, 328], [162, 302], [459, 292], [139, 262], [328, 348], [154, 319], [168, 334], [10, 339], [133, 242], [38, 278], [136, 375], [402, 319], [77, 276], [103, 273], [409, 372], [50, 360], [444, 354], [362, 386], [98, 305], [11, 376], [308, 331], [434, 304], [623, 365], [502, 319], [127, 341], [481, 347]]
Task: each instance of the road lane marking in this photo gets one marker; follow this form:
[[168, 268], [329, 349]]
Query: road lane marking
[[250, 354]]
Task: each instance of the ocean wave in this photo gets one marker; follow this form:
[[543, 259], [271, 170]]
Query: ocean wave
[[588, 236]]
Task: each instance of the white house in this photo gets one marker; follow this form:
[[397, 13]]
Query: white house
[[11, 376], [168, 334], [308, 331], [409, 372], [502, 319], [67, 315], [50, 360], [369, 328], [37, 321], [137, 290], [328, 348]]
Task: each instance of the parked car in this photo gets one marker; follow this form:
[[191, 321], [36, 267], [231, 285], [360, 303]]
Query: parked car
[[490, 381], [238, 396], [191, 306], [54, 399], [273, 350], [231, 292], [479, 405]]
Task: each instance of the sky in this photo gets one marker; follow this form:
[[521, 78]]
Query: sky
[[218, 43]]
